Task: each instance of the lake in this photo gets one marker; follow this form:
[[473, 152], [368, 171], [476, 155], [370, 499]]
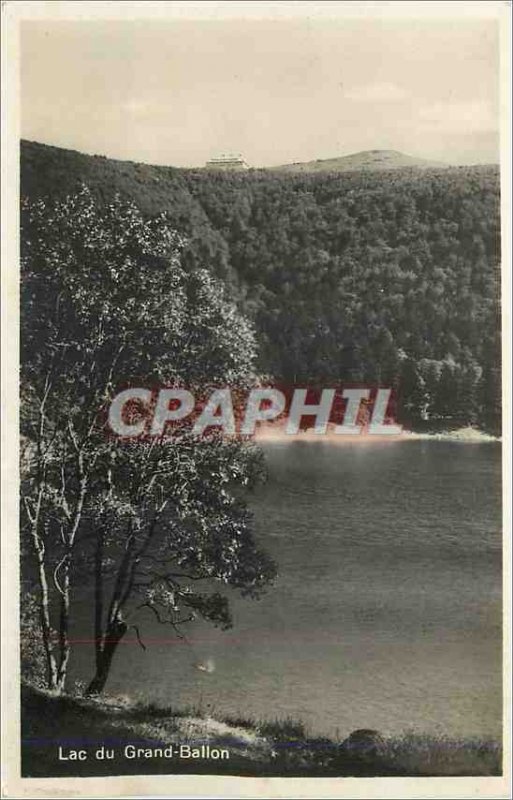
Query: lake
[[387, 610]]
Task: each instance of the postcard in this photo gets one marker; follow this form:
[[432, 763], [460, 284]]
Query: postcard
[[256, 399]]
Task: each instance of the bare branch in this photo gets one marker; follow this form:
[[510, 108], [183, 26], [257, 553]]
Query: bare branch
[[30, 515], [174, 623], [56, 572], [64, 502], [73, 436], [138, 635], [155, 611]]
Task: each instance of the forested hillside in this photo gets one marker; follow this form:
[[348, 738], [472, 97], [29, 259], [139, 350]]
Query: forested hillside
[[360, 276]]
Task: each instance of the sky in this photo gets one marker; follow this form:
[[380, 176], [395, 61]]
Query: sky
[[180, 92]]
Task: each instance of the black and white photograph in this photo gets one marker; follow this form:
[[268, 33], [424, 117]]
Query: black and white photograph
[[257, 329]]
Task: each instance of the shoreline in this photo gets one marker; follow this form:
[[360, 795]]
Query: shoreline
[[466, 435], [463, 435]]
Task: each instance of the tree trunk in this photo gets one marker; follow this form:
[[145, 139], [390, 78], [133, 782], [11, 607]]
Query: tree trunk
[[64, 645], [113, 635], [46, 628], [98, 600]]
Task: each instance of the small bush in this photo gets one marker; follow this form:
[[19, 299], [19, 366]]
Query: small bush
[[423, 754], [284, 730]]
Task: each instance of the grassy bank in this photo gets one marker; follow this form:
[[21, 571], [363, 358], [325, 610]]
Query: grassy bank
[[280, 747]]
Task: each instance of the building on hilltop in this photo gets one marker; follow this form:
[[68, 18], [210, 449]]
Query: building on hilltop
[[227, 162]]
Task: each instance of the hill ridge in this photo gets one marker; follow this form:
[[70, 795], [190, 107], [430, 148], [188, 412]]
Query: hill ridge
[[367, 160]]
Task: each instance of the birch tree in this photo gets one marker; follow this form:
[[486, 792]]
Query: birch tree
[[106, 302]]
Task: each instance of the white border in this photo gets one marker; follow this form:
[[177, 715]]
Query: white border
[[207, 786]]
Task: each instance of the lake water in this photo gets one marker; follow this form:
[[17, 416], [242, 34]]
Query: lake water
[[387, 609]]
